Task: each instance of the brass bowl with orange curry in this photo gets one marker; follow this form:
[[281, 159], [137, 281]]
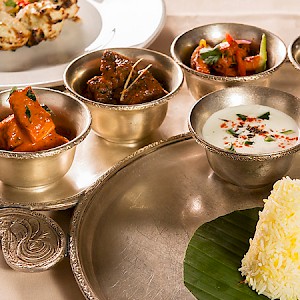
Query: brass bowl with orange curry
[[39, 131]]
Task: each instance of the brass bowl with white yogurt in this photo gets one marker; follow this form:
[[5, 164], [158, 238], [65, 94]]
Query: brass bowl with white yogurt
[[245, 160]]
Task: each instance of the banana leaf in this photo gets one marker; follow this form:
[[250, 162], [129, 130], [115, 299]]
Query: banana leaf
[[214, 256]]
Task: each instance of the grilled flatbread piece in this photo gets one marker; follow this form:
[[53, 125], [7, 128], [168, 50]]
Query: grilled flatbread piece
[[13, 34]]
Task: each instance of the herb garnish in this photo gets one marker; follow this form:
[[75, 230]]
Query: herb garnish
[[31, 95], [126, 87], [265, 116], [232, 132], [13, 90], [27, 112], [210, 55], [46, 108], [231, 148], [10, 3], [249, 143], [269, 138], [242, 117], [287, 131]]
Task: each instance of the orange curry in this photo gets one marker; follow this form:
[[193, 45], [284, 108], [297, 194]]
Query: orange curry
[[30, 127]]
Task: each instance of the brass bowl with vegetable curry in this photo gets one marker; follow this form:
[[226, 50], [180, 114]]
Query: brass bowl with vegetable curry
[[220, 55]]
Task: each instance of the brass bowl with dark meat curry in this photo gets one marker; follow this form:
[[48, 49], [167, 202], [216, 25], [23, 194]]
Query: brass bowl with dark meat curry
[[126, 89]]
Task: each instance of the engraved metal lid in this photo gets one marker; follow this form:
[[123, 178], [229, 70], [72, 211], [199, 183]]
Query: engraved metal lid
[[31, 242]]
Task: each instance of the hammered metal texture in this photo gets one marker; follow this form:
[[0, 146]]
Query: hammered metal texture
[[129, 235], [30, 241]]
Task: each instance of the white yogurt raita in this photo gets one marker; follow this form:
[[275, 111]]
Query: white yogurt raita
[[252, 129]]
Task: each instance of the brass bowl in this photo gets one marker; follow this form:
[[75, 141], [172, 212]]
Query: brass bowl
[[125, 123], [200, 84], [246, 170], [40, 168], [294, 53]]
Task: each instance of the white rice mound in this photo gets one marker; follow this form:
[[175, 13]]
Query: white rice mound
[[272, 264]]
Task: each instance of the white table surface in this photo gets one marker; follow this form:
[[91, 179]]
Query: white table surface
[[282, 18]]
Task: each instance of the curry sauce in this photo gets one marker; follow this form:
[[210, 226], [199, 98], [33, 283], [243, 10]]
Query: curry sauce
[[30, 127]]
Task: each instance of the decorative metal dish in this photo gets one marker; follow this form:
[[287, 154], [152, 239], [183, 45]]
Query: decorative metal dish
[[129, 234], [31, 242]]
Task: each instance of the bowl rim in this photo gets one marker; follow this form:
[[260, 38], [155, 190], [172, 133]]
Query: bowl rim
[[235, 155], [227, 78], [56, 150], [122, 107], [290, 53]]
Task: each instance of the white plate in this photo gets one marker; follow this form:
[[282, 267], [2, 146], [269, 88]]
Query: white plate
[[103, 23]]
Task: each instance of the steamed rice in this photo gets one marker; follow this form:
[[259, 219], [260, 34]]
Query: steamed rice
[[272, 264]]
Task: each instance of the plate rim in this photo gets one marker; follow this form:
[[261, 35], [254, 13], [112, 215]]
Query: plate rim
[[100, 6], [83, 205]]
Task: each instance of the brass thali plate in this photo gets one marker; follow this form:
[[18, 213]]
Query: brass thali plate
[[130, 233]]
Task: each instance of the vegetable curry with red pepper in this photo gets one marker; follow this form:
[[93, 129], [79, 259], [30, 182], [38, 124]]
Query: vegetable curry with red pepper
[[230, 57]]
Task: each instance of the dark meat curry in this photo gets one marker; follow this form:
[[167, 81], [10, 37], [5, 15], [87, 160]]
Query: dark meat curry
[[120, 82]]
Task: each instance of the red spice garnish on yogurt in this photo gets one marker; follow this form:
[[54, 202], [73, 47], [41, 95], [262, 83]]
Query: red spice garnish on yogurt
[[252, 129]]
